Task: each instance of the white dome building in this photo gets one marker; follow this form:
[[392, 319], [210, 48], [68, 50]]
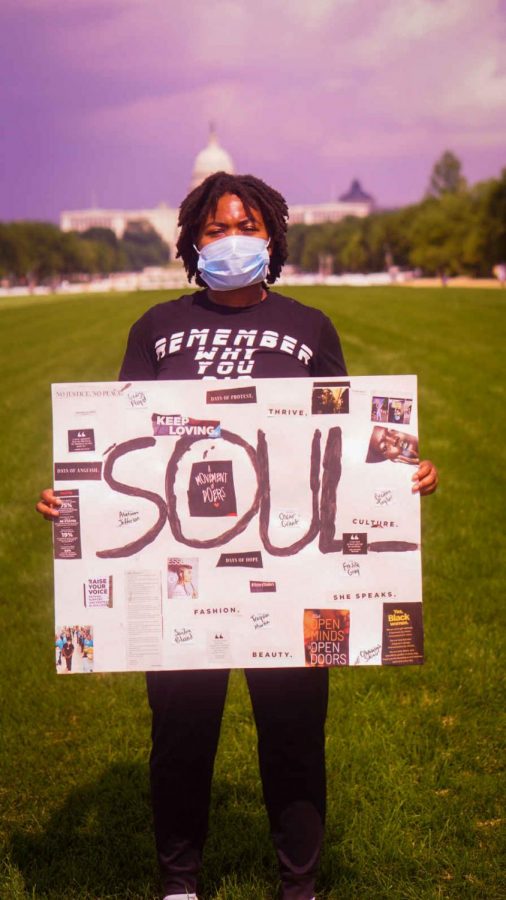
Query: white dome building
[[163, 218], [211, 159]]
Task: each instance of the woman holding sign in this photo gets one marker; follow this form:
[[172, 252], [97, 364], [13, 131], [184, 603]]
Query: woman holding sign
[[233, 242]]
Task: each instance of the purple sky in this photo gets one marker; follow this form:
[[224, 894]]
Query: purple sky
[[109, 100]]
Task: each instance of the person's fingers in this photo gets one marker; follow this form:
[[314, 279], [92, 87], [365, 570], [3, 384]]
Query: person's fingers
[[48, 512], [429, 484], [425, 479], [48, 505], [48, 496]]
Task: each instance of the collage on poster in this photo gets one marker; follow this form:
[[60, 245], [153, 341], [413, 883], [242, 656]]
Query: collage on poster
[[264, 523]]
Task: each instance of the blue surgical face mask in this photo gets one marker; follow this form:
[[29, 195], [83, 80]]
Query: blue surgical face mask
[[233, 262]]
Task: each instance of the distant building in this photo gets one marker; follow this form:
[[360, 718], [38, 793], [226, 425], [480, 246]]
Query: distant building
[[355, 194], [162, 218], [355, 202], [213, 158]]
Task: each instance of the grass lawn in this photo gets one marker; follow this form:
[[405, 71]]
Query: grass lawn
[[414, 755]]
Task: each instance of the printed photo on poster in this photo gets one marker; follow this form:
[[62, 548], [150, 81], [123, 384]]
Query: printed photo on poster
[[327, 637], [396, 410], [74, 649], [182, 578], [396, 446], [379, 409], [399, 411], [330, 397]]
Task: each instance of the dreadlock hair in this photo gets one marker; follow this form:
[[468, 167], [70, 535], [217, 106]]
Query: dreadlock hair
[[255, 194]]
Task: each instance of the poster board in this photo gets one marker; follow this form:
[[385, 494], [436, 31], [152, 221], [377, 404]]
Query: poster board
[[233, 524]]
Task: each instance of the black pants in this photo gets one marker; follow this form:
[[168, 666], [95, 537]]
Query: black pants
[[289, 706]]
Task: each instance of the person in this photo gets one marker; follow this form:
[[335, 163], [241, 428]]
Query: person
[[396, 412], [180, 582], [59, 647], [68, 652], [87, 651], [389, 444], [500, 273], [233, 242]]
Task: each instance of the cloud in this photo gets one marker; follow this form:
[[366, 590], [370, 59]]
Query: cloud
[[326, 82], [431, 60]]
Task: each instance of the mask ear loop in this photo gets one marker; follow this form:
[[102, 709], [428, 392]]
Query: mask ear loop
[[264, 285]]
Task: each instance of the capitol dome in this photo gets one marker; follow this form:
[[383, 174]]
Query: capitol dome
[[211, 159]]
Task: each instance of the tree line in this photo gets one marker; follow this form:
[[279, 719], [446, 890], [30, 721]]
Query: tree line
[[39, 252], [456, 229]]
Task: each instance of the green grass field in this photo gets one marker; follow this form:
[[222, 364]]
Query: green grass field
[[414, 755]]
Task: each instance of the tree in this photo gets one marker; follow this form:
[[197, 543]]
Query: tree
[[387, 238], [443, 236], [143, 246], [102, 235], [446, 176], [354, 253], [316, 244], [296, 238], [493, 221], [107, 255], [348, 245]]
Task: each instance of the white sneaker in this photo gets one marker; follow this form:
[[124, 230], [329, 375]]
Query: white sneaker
[[181, 897]]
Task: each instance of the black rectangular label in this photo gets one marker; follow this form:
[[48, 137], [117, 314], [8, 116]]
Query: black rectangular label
[[81, 440], [67, 527], [402, 634], [354, 543], [260, 587], [252, 559], [233, 395], [78, 471], [211, 491]]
